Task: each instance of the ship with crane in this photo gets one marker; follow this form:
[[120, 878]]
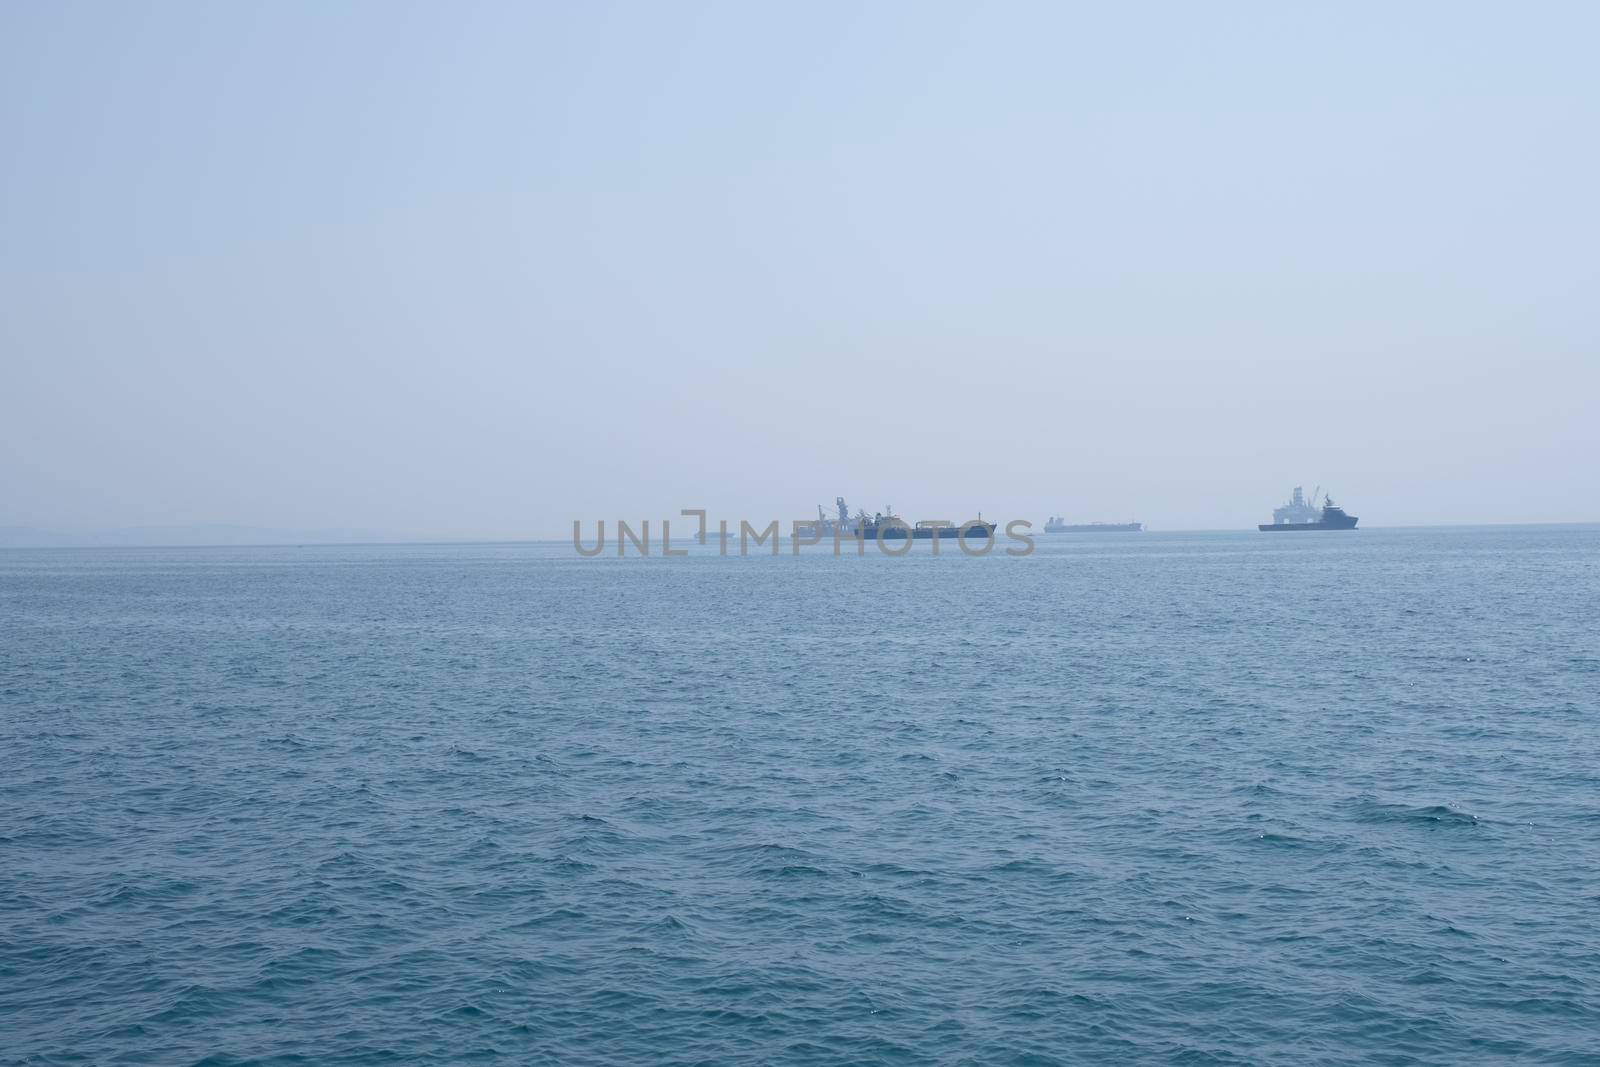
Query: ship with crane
[[844, 525]]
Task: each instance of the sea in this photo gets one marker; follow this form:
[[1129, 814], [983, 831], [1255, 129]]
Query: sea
[[1198, 798]]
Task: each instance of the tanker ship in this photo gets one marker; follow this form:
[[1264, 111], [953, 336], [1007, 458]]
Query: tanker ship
[[1059, 524]]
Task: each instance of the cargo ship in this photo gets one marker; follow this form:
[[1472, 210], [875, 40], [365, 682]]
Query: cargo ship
[[1302, 514], [1059, 524]]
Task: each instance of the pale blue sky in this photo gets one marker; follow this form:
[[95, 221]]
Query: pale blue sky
[[473, 270]]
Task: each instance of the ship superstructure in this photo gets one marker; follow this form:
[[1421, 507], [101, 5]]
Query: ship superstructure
[[844, 525]]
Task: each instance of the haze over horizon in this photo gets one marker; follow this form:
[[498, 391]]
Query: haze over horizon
[[474, 273]]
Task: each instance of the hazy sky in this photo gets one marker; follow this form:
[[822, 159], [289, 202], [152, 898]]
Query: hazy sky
[[474, 270]]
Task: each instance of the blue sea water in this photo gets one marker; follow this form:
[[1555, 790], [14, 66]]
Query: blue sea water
[[1199, 798]]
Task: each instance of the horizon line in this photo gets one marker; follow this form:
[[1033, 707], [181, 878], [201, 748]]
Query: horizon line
[[462, 542]]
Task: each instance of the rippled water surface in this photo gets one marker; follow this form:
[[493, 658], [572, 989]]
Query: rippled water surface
[[1214, 798]]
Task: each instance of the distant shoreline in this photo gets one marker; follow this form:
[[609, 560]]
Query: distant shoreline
[[79, 546]]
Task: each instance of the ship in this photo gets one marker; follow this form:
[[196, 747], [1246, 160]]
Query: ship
[[1302, 514], [887, 526], [1059, 524]]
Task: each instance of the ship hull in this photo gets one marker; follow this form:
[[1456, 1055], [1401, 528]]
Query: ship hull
[[927, 533], [1347, 523]]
